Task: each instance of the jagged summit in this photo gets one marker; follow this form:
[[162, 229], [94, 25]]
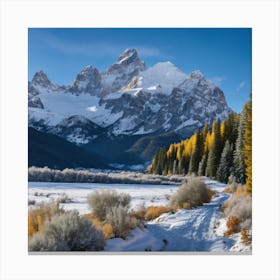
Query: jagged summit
[[87, 81], [196, 74], [128, 60], [128, 54], [40, 78]]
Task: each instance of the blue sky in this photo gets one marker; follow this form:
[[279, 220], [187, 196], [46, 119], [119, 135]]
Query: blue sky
[[224, 55]]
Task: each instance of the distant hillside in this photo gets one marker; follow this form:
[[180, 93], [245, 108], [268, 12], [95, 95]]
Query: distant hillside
[[45, 149]]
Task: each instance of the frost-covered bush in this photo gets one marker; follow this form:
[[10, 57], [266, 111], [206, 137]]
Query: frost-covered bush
[[64, 198], [67, 232], [232, 185], [240, 207], [101, 202], [40, 214], [193, 192], [118, 217], [38, 174]]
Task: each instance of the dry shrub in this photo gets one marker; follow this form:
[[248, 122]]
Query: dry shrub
[[39, 215], [241, 207], [187, 205], [101, 202], [232, 225], [64, 198], [106, 228], [108, 231], [109, 207], [139, 212], [193, 191], [153, 212], [134, 223], [246, 237], [119, 218], [232, 185], [240, 191], [211, 193], [67, 232]]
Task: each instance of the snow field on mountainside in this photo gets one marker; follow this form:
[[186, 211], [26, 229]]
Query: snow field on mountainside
[[70, 105], [163, 74]]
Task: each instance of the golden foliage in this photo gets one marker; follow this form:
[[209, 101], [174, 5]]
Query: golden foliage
[[246, 237], [248, 146], [232, 225], [38, 216], [187, 205], [153, 212], [106, 228]]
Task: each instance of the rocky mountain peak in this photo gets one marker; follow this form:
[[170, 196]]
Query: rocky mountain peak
[[40, 78], [129, 56], [196, 74], [128, 59], [88, 80]]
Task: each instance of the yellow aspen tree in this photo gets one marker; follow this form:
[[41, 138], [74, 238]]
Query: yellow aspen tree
[[248, 147]]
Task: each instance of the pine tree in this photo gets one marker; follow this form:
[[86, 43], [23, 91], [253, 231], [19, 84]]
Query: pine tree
[[205, 131], [160, 160], [238, 157], [215, 150], [225, 166], [197, 153], [155, 163], [185, 164], [248, 147], [231, 128], [202, 166]]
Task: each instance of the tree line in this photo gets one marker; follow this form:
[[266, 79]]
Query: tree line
[[219, 152]]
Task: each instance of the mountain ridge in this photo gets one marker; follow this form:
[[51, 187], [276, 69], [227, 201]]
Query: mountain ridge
[[127, 99]]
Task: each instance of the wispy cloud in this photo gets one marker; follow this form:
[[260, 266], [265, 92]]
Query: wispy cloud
[[147, 51], [94, 48], [218, 80], [241, 85]]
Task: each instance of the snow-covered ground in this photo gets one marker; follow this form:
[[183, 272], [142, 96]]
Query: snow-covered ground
[[196, 230], [77, 192]]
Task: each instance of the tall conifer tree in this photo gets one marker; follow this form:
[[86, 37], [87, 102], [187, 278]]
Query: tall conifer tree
[[238, 157], [225, 166], [215, 151]]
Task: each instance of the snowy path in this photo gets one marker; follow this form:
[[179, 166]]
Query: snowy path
[[184, 230]]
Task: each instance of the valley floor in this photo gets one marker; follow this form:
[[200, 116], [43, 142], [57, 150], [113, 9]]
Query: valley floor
[[196, 230], [184, 231]]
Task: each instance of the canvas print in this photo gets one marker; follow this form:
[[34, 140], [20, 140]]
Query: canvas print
[[140, 140]]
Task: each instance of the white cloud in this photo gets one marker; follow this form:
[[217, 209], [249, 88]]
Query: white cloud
[[241, 85], [96, 48], [218, 80]]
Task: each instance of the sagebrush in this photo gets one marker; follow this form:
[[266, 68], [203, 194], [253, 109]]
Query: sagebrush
[[193, 192], [67, 232], [101, 201]]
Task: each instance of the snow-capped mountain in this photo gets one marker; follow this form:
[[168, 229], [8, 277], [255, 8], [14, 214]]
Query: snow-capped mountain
[[126, 99]]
